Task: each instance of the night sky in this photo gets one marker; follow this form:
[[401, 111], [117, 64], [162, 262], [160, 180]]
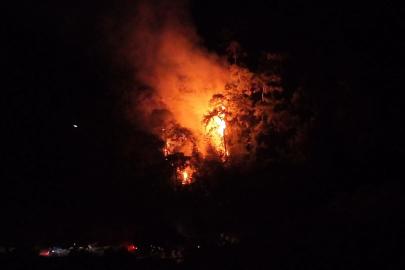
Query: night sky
[[60, 69]]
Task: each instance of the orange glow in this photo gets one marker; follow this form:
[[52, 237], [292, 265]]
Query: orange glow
[[182, 77], [167, 146], [186, 175], [183, 74], [216, 129], [221, 122]]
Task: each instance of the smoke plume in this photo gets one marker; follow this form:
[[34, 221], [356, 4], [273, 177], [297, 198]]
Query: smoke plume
[[169, 58]]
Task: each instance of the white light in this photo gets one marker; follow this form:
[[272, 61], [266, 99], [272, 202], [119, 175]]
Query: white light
[[75, 126]]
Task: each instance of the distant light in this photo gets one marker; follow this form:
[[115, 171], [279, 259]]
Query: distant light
[[131, 248], [44, 253], [75, 126]]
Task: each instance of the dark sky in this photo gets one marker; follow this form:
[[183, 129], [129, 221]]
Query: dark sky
[[59, 71]]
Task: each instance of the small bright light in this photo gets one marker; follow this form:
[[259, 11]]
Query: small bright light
[[75, 126]]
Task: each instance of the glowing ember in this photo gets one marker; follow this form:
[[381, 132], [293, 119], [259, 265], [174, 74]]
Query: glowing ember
[[186, 175], [166, 150]]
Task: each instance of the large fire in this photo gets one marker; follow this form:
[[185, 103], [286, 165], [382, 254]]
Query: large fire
[[193, 99], [177, 142], [215, 130], [169, 58]]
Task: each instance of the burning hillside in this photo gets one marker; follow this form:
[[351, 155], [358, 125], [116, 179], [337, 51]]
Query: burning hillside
[[193, 99]]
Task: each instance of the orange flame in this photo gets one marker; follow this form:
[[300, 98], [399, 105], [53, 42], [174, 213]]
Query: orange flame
[[218, 125], [170, 60], [186, 175], [221, 122]]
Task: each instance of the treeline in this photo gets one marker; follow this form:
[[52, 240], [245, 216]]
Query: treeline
[[314, 179]]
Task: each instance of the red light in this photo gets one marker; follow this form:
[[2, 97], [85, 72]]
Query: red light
[[44, 253], [131, 248]]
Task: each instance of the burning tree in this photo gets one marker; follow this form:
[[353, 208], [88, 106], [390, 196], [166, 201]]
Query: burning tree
[[239, 121], [246, 116], [179, 144], [215, 124]]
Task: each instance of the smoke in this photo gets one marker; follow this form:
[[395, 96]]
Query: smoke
[[168, 57]]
